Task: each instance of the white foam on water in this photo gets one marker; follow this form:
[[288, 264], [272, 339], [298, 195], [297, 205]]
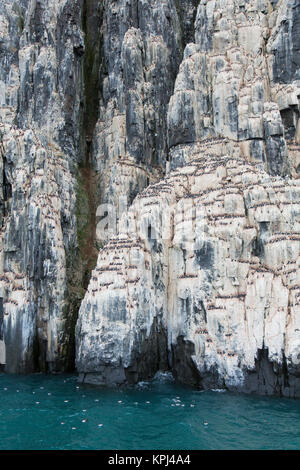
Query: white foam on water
[[163, 377], [142, 385]]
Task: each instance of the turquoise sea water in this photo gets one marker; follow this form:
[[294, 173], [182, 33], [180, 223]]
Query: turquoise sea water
[[40, 412]]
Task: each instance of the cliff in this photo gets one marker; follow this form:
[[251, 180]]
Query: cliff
[[189, 112]]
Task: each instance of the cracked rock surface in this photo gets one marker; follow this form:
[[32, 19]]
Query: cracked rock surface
[[190, 111]]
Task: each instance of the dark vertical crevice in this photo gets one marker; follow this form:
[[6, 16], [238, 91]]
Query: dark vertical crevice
[[187, 11], [91, 25], [92, 17], [7, 187], [81, 260], [183, 367], [271, 378], [1, 319], [285, 371], [150, 355]]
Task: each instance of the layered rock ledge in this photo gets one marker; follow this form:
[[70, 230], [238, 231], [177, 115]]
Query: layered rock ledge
[[203, 279], [189, 111]]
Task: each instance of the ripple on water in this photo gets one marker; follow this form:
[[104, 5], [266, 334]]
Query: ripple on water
[[47, 412]]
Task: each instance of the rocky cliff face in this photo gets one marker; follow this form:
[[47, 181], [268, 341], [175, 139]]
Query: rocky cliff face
[[210, 289], [203, 276], [190, 111], [41, 96]]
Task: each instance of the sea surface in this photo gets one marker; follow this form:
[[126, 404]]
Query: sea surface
[[42, 412]]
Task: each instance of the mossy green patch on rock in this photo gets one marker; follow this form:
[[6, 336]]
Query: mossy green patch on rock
[[81, 258], [83, 216], [18, 11], [91, 25], [186, 12]]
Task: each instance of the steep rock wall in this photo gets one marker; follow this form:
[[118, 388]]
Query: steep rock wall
[[203, 276], [209, 259], [229, 85], [142, 48], [200, 99], [41, 95], [84, 90]]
